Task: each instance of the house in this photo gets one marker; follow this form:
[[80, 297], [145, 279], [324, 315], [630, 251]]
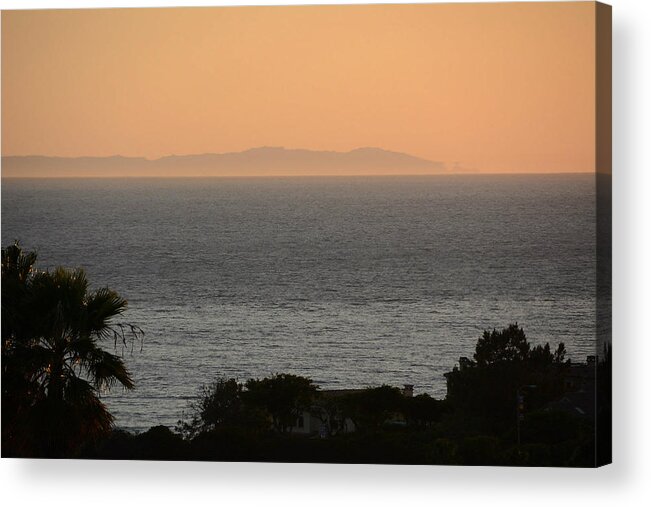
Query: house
[[326, 416], [581, 376], [580, 385], [578, 403]]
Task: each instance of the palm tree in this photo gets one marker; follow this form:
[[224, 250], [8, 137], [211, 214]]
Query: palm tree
[[17, 268], [58, 326], [18, 389]]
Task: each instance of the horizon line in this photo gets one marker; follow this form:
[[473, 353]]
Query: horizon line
[[294, 176]]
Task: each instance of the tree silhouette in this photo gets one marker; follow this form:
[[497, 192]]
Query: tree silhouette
[[283, 396], [374, 406], [503, 362], [509, 344], [19, 389], [52, 357], [220, 405], [423, 410]]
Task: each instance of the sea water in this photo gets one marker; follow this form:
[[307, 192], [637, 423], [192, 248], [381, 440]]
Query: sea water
[[351, 281]]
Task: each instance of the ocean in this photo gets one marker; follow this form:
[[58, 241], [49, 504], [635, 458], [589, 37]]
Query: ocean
[[351, 281]]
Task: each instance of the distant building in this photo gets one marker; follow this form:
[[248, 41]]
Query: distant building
[[581, 376], [325, 417], [580, 386]]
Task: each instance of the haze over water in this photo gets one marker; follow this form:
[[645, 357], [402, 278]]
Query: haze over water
[[352, 281]]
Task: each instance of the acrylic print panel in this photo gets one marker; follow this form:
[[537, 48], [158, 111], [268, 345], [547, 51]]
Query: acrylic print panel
[[350, 234]]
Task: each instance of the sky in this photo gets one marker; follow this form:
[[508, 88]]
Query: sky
[[490, 87]]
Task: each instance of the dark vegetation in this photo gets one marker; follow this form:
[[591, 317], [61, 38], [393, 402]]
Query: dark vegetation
[[53, 364], [501, 409]]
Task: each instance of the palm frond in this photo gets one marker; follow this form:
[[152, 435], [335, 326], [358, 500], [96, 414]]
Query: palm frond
[[79, 391], [101, 307], [16, 264], [106, 370]]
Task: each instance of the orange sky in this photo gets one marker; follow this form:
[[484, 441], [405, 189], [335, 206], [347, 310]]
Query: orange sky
[[495, 87]]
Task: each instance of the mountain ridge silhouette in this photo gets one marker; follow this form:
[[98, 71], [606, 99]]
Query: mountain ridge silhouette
[[257, 161]]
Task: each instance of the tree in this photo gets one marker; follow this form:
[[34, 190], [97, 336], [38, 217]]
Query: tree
[[220, 405], [329, 411], [507, 345], [423, 410], [18, 388], [374, 406], [51, 347], [503, 362], [284, 397]]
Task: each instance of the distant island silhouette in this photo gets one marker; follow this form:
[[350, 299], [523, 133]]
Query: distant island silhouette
[[262, 161]]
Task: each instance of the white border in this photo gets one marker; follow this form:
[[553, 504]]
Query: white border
[[627, 482]]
